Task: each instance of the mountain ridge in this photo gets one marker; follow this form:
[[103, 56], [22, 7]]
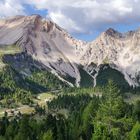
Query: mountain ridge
[[64, 55]]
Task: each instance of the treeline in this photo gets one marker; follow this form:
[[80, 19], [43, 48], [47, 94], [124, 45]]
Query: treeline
[[106, 117], [15, 87], [70, 102], [45, 79], [37, 81]]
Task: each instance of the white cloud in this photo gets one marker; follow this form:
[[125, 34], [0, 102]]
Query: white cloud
[[10, 8], [80, 16], [39, 4], [89, 15]]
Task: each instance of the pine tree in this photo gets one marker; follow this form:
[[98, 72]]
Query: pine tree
[[48, 135], [110, 111], [135, 132]]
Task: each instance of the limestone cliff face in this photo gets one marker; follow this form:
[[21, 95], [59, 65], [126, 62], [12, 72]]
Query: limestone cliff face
[[44, 41], [121, 51], [51, 45]]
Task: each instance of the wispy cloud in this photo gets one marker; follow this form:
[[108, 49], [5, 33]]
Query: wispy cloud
[[11, 7], [79, 16]]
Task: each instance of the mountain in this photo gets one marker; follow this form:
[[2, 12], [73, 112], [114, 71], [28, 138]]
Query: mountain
[[120, 51], [44, 44]]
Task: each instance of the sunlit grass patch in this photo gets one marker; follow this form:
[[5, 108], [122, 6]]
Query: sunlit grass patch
[[45, 97], [4, 50], [13, 49], [26, 110]]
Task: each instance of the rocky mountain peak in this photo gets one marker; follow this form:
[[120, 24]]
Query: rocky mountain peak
[[62, 54], [113, 33]]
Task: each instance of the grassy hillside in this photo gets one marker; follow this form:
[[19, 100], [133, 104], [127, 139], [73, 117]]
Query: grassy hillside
[[13, 49], [37, 81], [21, 79], [4, 50]]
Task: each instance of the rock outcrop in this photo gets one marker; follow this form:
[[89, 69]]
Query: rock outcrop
[[51, 45]]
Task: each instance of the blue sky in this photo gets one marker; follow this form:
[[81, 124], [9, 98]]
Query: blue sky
[[30, 9], [123, 28], [84, 19], [86, 36]]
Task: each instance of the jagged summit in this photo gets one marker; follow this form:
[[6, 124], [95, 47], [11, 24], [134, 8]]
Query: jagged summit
[[113, 33], [63, 55], [45, 41]]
